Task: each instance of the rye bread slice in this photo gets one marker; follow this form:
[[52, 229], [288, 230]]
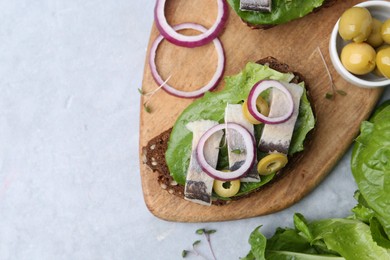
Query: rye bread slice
[[327, 3], [153, 154]]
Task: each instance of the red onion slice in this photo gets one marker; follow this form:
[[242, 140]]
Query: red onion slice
[[256, 91], [249, 141], [188, 94], [172, 36]]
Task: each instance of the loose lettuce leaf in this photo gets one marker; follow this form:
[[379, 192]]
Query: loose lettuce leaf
[[323, 239], [289, 240], [258, 242], [370, 164], [378, 233], [362, 236], [285, 255], [212, 107], [282, 11], [288, 243], [362, 211], [352, 239]]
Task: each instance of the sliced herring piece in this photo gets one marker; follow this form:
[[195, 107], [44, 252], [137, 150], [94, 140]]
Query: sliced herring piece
[[277, 137], [199, 185], [256, 5], [235, 142]]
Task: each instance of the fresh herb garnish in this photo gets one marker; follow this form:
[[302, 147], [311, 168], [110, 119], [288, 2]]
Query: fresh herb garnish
[[329, 95], [147, 108], [150, 94], [333, 89], [207, 233], [363, 235], [238, 151], [184, 253], [341, 92], [141, 91]]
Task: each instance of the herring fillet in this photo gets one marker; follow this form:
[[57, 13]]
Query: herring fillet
[[277, 137], [199, 185], [256, 5], [235, 142]]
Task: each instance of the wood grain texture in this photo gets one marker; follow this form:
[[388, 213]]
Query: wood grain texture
[[294, 43]]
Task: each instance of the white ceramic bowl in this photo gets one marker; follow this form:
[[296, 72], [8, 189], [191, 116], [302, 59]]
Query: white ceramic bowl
[[381, 11]]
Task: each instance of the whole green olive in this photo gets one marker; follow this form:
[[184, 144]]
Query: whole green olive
[[376, 70], [358, 58], [383, 61], [385, 31], [355, 24], [375, 38]]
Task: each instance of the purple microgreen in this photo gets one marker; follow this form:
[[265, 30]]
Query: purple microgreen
[[207, 234], [184, 253]]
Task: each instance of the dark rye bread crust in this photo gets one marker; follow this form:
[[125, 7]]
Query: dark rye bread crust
[[153, 154], [327, 3]]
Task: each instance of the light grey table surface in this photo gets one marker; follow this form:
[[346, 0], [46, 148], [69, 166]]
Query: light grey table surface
[[70, 185]]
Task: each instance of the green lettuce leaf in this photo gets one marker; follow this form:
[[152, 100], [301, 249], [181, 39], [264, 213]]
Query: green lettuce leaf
[[348, 239], [282, 11], [361, 236], [288, 244], [212, 107], [285, 255], [362, 211], [378, 233], [370, 164], [258, 242], [352, 239]]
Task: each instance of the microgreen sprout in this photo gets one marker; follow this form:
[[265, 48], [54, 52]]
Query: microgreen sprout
[[238, 151], [147, 108], [194, 250], [206, 233], [223, 145], [333, 89], [150, 94]]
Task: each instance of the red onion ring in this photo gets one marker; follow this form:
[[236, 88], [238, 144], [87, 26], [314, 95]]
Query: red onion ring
[[249, 141], [256, 91], [188, 94], [172, 36]]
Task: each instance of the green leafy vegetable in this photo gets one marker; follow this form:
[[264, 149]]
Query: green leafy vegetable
[[212, 107], [370, 164], [237, 151], [206, 233], [361, 236], [147, 108], [378, 233], [352, 239], [332, 239], [289, 243], [258, 242], [282, 11]]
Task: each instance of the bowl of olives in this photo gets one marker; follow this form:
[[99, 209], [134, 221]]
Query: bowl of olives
[[360, 44]]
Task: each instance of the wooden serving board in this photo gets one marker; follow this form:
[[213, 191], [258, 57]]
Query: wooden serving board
[[294, 43]]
